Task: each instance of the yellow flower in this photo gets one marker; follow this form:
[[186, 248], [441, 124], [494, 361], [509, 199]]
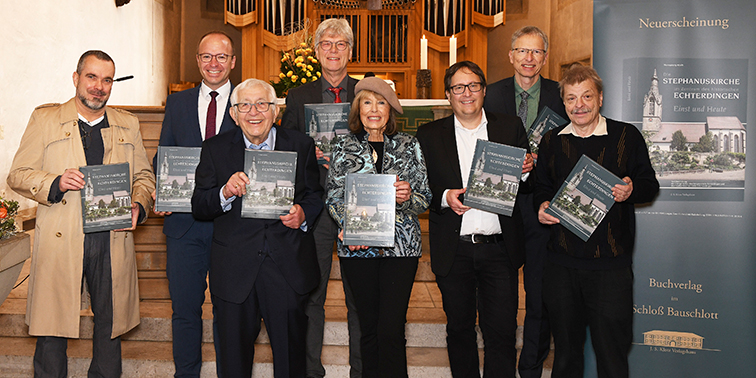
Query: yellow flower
[[309, 74], [314, 78], [309, 67], [309, 50], [314, 61], [318, 73], [294, 77], [304, 80], [303, 44], [281, 75], [289, 73]]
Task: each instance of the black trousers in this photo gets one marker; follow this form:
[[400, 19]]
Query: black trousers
[[282, 309], [50, 358], [536, 332], [599, 299], [382, 288], [482, 284]]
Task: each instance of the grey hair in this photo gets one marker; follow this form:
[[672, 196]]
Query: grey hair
[[249, 84], [338, 26], [101, 55], [531, 30]]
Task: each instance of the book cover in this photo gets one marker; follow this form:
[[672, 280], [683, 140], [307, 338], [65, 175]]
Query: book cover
[[325, 124], [584, 198], [272, 175], [175, 178], [547, 119], [106, 197], [494, 177], [370, 210]]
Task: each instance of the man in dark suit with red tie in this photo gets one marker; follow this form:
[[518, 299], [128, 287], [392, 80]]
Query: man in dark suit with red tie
[[333, 48], [259, 268], [192, 116], [475, 254]]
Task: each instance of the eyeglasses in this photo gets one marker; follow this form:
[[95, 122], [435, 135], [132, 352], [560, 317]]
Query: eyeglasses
[[340, 45], [207, 58], [473, 87], [523, 51], [246, 107]]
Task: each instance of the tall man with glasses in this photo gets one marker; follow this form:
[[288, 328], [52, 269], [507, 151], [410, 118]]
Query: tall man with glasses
[[475, 254], [59, 139], [261, 268], [192, 116], [333, 49], [524, 95]]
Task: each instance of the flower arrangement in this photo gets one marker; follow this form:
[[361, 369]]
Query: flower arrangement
[[8, 211], [298, 66]]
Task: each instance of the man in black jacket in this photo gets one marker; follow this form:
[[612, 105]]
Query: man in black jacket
[[475, 254], [530, 50]]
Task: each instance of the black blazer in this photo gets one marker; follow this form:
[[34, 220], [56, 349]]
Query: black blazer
[[440, 150], [181, 127], [500, 97], [238, 242], [310, 93]]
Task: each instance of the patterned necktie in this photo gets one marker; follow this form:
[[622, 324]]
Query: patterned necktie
[[522, 111], [211, 112], [336, 91], [260, 146]]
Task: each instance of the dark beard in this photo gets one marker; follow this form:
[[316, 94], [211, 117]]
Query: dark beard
[[92, 105]]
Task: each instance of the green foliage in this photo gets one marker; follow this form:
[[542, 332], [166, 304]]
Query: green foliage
[[679, 142], [8, 212], [298, 66], [705, 143]]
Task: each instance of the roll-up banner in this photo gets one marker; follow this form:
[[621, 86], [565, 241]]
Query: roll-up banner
[[682, 71]]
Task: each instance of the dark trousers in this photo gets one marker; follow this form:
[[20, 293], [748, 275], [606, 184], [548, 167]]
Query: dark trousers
[[536, 333], [325, 232], [599, 299], [382, 288], [282, 309], [188, 261], [482, 284], [50, 354]]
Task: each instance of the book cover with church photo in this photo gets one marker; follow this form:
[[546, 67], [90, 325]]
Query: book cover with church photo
[[106, 197], [692, 113], [494, 177], [584, 198], [175, 178], [370, 209], [325, 124], [547, 119], [272, 175]]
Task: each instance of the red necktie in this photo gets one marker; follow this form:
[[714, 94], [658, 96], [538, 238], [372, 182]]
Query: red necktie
[[211, 111], [336, 91]]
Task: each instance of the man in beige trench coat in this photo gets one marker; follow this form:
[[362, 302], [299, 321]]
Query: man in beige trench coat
[[58, 139]]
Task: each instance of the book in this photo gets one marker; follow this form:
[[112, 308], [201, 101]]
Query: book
[[546, 120], [106, 197], [494, 177], [326, 123], [583, 200], [272, 175], [175, 178], [370, 209]]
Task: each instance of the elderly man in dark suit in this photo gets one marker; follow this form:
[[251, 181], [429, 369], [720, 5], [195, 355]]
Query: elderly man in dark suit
[[333, 47], [259, 268], [524, 95], [475, 254], [192, 116]]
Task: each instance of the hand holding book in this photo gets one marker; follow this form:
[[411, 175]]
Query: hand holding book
[[622, 192]]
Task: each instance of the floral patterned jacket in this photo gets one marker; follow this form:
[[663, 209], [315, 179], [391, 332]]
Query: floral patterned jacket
[[402, 157]]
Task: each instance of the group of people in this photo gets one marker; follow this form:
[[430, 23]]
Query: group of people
[[277, 270]]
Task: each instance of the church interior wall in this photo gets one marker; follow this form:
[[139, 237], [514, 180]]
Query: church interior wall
[[43, 40]]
